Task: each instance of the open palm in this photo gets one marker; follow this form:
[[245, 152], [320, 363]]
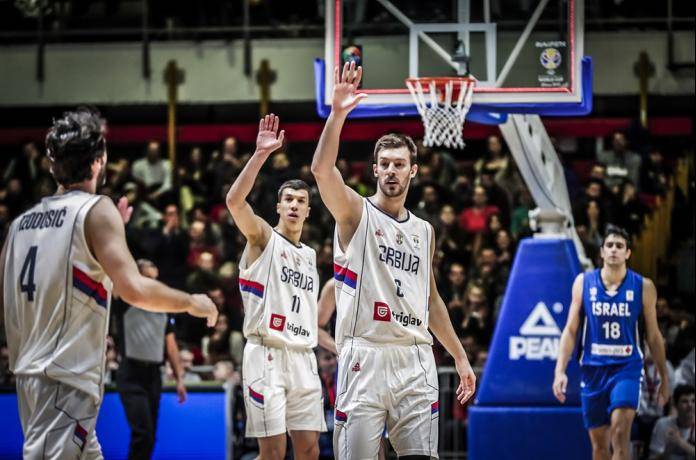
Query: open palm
[[268, 140], [345, 98]]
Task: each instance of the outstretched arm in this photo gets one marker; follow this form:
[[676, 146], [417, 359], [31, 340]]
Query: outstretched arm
[[106, 238], [655, 340], [343, 202], [255, 230], [565, 349], [441, 325]]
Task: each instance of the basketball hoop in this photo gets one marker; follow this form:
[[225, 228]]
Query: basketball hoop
[[442, 103]]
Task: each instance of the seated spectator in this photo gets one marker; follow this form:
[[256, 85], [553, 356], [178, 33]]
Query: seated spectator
[[495, 159], [443, 168], [653, 174], [216, 346], [497, 195], [192, 175], [428, 208], [461, 191], [673, 436], [450, 240], [598, 172], [684, 374], [145, 216], [631, 211], [474, 219], [504, 248], [621, 162], [170, 246], [453, 291], [224, 167], [204, 276], [154, 173], [519, 225], [186, 357], [649, 411], [488, 274], [201, 239]]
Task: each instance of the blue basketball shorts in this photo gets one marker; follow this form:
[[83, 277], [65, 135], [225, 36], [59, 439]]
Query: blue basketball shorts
[[605, 388]]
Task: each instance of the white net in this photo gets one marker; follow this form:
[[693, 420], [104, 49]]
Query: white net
[[443, 118]]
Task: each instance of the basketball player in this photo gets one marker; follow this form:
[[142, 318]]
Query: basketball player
[[609, 303], [279, 283], [60, 263], [386, 299]]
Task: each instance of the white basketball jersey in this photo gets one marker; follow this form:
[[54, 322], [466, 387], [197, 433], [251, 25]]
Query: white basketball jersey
[[57, 295], [280, 291], [383, 279]]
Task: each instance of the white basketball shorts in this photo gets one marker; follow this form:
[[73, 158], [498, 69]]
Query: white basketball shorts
[[392, 384], [282, 391], [58, 420]]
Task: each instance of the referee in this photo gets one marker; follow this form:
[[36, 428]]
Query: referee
[[143, 339]]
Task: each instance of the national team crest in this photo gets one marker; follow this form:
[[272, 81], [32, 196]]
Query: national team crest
[[379, 233], [284, 255], [416, 241], [593, 294], [399, 238], [629, 296], [277, 322]]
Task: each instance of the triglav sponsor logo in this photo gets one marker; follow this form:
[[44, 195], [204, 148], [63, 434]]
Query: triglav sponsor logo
[[539, 335]]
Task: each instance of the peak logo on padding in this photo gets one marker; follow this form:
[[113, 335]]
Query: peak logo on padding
[[539, 336]]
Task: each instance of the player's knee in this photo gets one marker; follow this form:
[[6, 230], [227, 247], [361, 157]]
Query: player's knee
[[619, 435], [600, 451], [306, 448], [273, 452]]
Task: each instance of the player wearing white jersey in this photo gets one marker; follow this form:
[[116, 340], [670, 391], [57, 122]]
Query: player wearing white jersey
[[279, 284], [61, 261], [386, 298]]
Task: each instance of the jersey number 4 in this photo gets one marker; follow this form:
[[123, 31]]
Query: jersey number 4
[[26, 276]]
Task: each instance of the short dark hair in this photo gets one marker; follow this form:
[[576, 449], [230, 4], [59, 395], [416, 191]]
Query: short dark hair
[[295, 184], [74, 142], [396, 141], [616, 231], [682, 390]]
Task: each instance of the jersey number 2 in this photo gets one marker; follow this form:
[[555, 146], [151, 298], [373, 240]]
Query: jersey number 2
[[26, 277]]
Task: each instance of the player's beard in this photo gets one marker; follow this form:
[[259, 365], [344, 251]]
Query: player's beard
[[396, 191]]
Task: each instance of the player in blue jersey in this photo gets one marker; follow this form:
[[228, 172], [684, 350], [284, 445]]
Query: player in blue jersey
[[606, 308]]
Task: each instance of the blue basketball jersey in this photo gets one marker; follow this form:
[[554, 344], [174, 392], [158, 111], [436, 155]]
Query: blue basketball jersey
[[610, 324]]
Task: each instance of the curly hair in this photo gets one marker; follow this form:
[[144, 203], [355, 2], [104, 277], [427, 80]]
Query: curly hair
[[73, 143]]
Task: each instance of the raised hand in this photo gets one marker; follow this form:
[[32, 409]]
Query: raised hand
[[125, 210], [268, 140], [345, 97]]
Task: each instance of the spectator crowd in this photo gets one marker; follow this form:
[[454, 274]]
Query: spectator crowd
[[479, 210]]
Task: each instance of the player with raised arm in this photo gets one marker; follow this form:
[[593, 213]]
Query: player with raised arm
[[386, 298], [61, 261], [279, 283], [607, 304]]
